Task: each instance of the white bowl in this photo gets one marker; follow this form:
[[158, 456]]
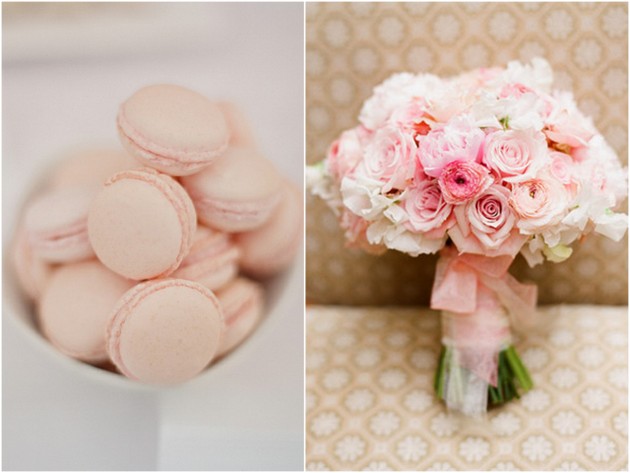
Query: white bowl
[[20, 312]]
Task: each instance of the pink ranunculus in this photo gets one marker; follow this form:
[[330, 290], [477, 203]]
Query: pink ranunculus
[[461, 181], [346, 152], [458, 140], [515, 155], [486, 225], [426, 209], [390, 158], [540, 203]]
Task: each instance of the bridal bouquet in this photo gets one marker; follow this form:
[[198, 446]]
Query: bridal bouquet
[[478, 167]]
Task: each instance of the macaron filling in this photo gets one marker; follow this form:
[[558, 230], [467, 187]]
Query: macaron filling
[[237, 309], [162, 156], [235, 216], [52, 241]]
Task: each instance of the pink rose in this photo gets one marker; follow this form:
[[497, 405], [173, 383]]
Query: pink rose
[[540, 204], [346, 152], [461, 181], [515, 155], [458, 140], [486, 225], [390, 158], [426, 209]]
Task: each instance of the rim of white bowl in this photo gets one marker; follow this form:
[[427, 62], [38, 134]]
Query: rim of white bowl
[[14, 301]]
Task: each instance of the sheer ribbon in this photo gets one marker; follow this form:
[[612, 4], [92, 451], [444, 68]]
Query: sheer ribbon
[[474, 292]]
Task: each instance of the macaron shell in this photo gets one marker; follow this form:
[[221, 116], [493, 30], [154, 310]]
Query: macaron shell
[[238, 192], [76, 307], [242, 302], [56, 224], [90, 167], [172, 129], [165, 331], [240, 175], [32, 272], [272, 247], [212, 260], [141, 224], [241, 133]]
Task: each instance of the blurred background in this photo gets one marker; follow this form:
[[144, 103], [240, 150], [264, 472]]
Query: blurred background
[[351, 47], [66, 69]]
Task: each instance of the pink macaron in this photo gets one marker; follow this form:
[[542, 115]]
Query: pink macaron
[[141, 224], [32, 272], [212, 260], [76, 307], [172, 129], [238, 192], [272, 247], [242, 303], [90, 167], [165, 331], [56, 224], [241, 133]]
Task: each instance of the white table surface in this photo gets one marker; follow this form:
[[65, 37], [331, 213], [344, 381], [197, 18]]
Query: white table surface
[[247, 412]]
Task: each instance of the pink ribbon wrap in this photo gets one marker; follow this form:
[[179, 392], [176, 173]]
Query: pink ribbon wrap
[[474, 291]]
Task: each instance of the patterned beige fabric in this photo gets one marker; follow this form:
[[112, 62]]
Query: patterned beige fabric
[[370, 403], [352, 47]]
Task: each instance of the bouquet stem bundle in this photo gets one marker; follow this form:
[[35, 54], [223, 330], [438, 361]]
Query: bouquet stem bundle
[[512, 377], [479, 366]]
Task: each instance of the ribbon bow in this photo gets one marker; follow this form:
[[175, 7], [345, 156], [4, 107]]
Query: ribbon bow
[[457, 282]]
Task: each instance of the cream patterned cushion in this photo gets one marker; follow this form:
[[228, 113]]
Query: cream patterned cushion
[[351, 47], [370, 404]]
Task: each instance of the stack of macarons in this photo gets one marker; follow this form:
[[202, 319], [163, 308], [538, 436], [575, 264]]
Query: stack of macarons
[[150, 260]]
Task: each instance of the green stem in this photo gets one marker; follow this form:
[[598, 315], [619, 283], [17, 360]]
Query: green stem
[[438, 383], [510, 370], [522, 375]]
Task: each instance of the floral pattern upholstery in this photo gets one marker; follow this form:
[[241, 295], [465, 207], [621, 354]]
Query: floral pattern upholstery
[[370, 404]]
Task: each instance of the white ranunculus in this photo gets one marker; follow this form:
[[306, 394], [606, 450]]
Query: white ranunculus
[[398, 90], [537, 75], [603, 159], [396, 237], [612, 225], [532, 251], [522, 113], [320, 183], [362, 196]]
